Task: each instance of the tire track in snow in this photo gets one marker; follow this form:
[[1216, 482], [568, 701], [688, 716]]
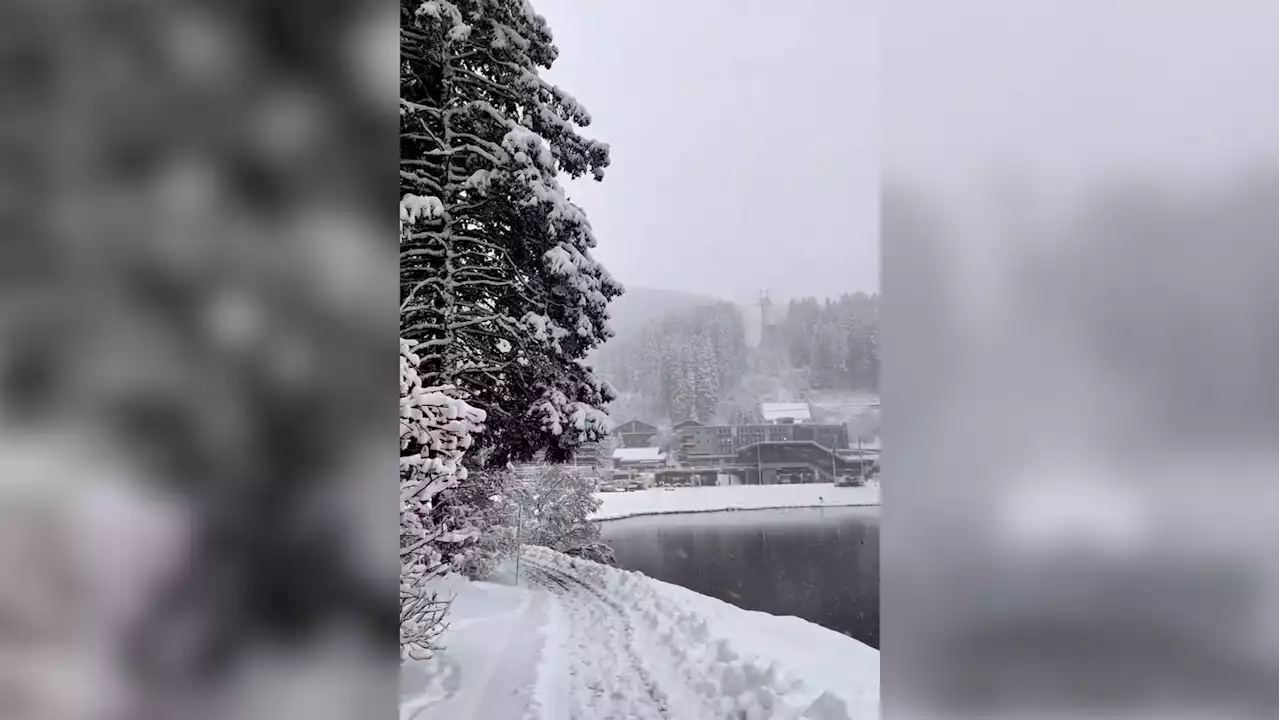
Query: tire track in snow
[[700, 675], [629, 643], [607, 679]]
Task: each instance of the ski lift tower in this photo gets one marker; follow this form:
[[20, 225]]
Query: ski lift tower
[[766, 309]]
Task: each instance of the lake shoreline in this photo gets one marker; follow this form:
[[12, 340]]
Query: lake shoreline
[[819, 563], [732, 498], [703, 511]]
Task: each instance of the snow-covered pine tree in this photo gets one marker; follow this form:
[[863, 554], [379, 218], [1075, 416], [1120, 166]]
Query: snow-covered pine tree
[[706, 379], [685, 404], [499, 291], [676, 388], [435, 432]]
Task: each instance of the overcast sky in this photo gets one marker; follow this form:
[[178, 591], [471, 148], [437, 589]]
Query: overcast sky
[[743, 141], [1072, 91], [746, 142]]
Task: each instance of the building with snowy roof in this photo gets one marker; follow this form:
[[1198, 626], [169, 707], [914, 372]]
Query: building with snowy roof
[[777, 413], [630, 462], [635, 434], [710, 444], [634, 458]]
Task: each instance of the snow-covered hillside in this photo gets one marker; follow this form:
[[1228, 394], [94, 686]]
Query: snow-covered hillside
[[658, 501], [582, 640]]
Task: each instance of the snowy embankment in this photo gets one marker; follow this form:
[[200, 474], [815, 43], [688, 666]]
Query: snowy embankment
[[659, 501], [582, 640]]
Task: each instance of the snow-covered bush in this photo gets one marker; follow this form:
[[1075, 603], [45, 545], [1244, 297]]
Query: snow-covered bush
[[435, 432], [482, 524], [554, 510]]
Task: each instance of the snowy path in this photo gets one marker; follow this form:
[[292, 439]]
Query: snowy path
[[581, 641], [487, 669], [637, 648], [606, 678]]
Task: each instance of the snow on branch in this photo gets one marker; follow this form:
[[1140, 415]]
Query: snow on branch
[[413, 207], [582, 422], [498, 284], [435, 433]]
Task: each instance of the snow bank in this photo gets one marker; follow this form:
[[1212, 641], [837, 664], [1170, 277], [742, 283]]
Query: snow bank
[[488, 665], [579, 638], [658, 501], [711, 659], [830, 664]]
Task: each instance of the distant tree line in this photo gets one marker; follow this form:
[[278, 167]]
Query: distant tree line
[[686, 365], [836, 343], [695, 364]]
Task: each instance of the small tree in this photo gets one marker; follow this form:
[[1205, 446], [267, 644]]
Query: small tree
[[435, 432], [555, 508]]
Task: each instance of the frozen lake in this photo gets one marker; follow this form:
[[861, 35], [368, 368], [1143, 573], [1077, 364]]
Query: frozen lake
[[820, 564]]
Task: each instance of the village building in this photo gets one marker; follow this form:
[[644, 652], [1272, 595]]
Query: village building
[[636, 434], [713, 444], [633, 462], [773, 462], [591, 456], [780, 413]]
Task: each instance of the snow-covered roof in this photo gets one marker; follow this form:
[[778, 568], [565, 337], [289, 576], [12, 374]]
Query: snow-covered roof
[[635, 426], [642, 454], [779, 411]]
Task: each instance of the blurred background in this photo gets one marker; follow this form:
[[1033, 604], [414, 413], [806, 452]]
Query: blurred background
[[196, 343], [197, 359], [1080, 248]]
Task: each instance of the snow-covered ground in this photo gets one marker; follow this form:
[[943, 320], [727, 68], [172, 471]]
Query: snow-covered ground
[[579, 640], [657, 501]]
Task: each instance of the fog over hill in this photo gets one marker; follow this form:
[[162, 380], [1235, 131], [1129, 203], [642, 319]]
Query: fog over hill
[[679, 355], [640, 307]]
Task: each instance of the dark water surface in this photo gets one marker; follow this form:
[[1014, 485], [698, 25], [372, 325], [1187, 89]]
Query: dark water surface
[[820, 564]]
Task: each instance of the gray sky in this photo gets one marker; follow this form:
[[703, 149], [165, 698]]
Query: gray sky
[[1073, 91], [746, 135], [743, 141], [1013, 110]]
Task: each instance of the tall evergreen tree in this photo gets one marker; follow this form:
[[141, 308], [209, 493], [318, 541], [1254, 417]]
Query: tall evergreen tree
[[706, 380], [499, 292]]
